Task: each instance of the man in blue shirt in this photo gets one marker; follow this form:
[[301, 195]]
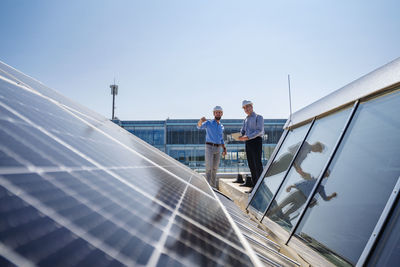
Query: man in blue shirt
[[214, 142], [252, 132]]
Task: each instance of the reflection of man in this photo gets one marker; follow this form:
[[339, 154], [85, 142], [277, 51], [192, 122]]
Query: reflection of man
[[214, 140], [299, 197], [303, 153], [284, 160], [252, 131]]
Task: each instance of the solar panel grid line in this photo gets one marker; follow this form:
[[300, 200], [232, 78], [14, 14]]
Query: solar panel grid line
[[246, 245], [205, 229], [97, 129], [93, 206], [19, 81], [34, 169], [213, 261], [9, 76], [14, 257], [236, 232], [99, 244], [110, 196], [8, 66], [30, 146], [22, 170], [221, 253], [155, 257], [28, 166]]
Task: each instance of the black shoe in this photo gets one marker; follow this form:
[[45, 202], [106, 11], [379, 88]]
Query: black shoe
[[249, 192], [239, 179], [248, 182]]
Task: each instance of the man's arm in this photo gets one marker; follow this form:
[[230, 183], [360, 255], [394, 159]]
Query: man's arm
[[223, 142], [334, 194], [243, 132], [224, 150], [300, 171], [322, 193], [290, 188], [200, 123]]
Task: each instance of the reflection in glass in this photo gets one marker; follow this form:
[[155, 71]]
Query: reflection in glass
[[387, 253], [277, 170], [307, 167], [363, 173]]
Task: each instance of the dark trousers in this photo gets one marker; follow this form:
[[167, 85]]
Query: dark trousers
[[254, 152]]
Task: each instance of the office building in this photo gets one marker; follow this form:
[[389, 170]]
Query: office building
[[182, 140]]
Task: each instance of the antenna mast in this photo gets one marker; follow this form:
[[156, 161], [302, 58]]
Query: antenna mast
[[114, 92], [290, 100]]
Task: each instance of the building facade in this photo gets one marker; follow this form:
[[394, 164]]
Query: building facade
[[182, 140]]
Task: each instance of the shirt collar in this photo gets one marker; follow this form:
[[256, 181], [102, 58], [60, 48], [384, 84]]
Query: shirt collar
[[253, 114]]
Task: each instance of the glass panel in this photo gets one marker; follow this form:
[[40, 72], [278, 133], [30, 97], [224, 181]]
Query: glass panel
[[277, 170], [306, 169], [363, 173], [387, 253]]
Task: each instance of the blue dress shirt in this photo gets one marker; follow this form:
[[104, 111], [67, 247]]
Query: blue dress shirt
[[253, 126], [214, 131]]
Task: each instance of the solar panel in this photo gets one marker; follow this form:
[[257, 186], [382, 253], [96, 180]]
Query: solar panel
[[76, 189]]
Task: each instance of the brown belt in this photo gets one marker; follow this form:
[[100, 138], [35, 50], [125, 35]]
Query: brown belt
[[212, 144]]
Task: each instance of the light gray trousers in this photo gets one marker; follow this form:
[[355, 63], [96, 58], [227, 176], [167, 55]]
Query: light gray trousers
[[212, 157]]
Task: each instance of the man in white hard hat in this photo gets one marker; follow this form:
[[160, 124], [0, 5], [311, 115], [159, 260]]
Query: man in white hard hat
[[214, 142], [252, 132]]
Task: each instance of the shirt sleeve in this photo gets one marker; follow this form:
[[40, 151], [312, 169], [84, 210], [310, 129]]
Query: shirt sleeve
[[259, 131], [322, 193], [203, 125]]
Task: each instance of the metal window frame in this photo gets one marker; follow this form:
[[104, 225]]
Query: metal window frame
[[380, 226], [272, 158], [289, 168], [324, 169]]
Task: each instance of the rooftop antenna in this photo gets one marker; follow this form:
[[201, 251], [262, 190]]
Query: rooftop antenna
[[114, 92], [290, 100]]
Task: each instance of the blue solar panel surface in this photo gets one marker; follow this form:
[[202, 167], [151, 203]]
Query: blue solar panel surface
[[78, 190]]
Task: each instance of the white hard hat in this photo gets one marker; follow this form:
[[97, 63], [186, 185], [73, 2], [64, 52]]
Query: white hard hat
[[246, 102], [218, 108]]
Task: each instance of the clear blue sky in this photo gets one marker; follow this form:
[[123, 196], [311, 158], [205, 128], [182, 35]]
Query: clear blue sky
[[178, 59]]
